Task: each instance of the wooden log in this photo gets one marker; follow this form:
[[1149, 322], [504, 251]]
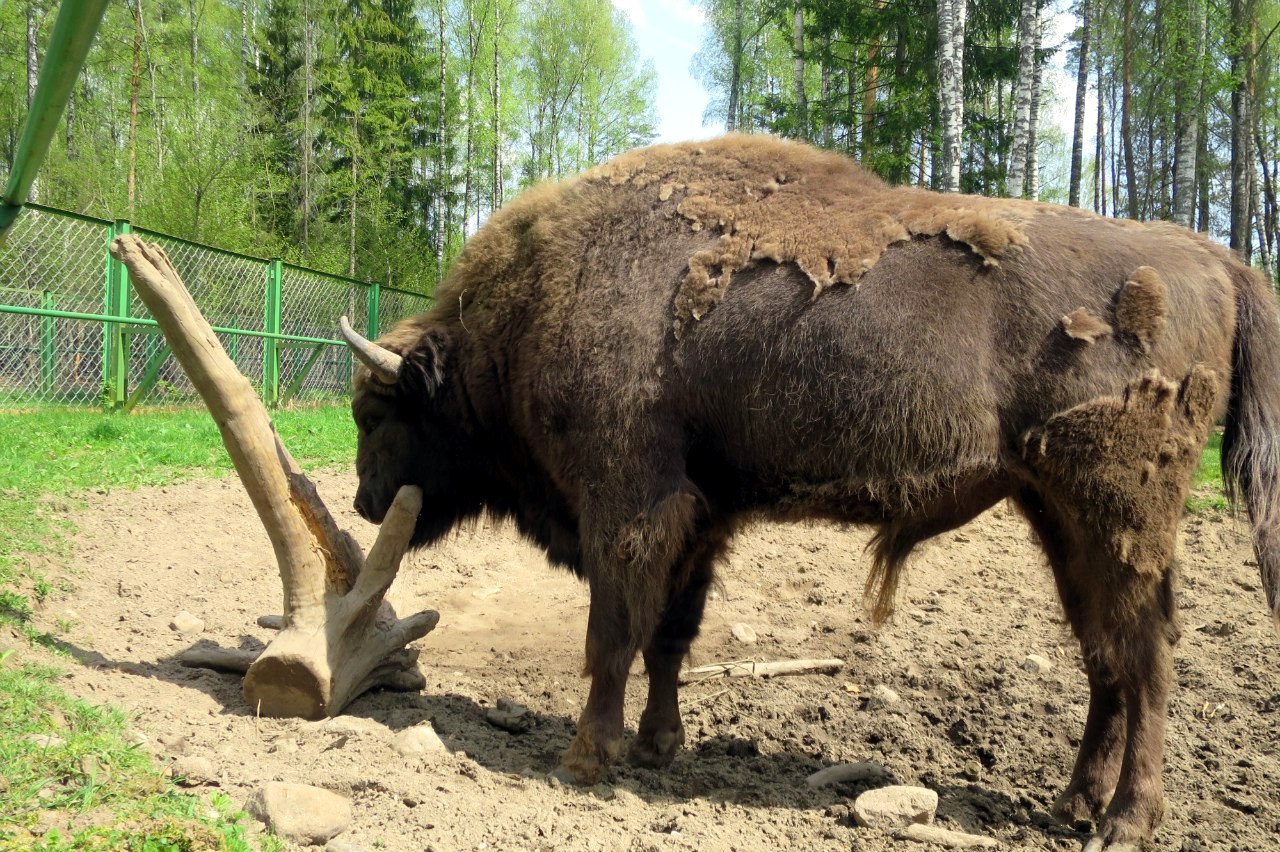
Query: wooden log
[[339, 637]]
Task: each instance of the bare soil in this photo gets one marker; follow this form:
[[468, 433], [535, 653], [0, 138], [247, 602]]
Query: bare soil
[[994, 740]]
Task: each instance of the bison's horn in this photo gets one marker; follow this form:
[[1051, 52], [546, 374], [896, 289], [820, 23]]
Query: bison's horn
[[383, 363]]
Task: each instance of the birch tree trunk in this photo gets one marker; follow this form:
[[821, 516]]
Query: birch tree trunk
[[1082, 92], [1187, 99], [802, 102], [1033, 117], [1243, 36], [827, 128], [496, 200], [307, 143], [1126, 109], [735, 70], [441, 182], [1100, 133], [135, 83], [951, 22], [1027, 28], [33, 71]]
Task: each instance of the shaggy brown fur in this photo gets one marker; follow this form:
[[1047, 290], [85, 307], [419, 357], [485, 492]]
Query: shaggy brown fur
[[1082, 325], [1141, 308], [633, 362]]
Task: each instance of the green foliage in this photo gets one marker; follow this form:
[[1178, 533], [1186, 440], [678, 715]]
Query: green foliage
[[352, 136]]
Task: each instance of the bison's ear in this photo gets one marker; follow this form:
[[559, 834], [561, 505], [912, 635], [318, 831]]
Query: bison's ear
[[424, 364]]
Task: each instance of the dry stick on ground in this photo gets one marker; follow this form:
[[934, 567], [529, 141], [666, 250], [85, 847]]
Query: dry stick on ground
[[750, 668], [339, 637]]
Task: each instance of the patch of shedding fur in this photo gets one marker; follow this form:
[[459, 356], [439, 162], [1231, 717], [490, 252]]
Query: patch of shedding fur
[[1081, 324], [710, 272], [1124, 464], [794, 204], [1141, 307]]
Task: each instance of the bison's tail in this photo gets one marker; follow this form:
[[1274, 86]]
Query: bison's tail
[[1251, 444]]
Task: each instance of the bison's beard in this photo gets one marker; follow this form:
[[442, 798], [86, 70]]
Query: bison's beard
[[440, 516]]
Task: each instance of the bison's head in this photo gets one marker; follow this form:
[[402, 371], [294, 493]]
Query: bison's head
[[411, 432]]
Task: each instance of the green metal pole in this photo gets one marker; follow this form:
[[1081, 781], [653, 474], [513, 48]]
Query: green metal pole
[[73, 33], [271, 346], [115, 362], [47, 348]]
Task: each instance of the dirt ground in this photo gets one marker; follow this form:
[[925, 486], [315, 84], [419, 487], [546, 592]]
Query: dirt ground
[[994, 740]]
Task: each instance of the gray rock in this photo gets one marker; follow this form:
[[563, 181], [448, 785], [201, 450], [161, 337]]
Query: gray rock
[[845, 772], [894, 807], [174, 743], [1037, 664], [193, 770], [744, 633], [300, 812], [340, 845], [510, 716], [945, 838], [418, 740], [185, 622], [43, 740], [882, 697]]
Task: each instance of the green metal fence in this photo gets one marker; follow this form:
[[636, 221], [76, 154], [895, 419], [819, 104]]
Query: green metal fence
[[73, 332]]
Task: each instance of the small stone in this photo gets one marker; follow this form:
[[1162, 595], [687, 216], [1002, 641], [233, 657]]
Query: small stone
[[945, 838], [1037, 664], [894, 807], [193, 770], [43, 740], [848, 772], [744, 633], [510, 716], [340, 845], [300, 812], [285, 746], [174, 743], [351, 726], [185, 622], [882, 697], [418, 740]]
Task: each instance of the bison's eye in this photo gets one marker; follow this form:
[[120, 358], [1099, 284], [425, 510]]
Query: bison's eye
[[371, 424]]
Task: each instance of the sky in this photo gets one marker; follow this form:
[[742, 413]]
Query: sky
[[669, 32]]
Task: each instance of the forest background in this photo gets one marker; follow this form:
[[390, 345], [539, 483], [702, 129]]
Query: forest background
[[370, 137]]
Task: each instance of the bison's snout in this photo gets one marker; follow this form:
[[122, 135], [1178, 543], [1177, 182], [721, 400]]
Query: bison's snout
[[367, 508]]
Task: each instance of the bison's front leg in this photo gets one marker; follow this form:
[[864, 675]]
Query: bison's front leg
[[630, 576]]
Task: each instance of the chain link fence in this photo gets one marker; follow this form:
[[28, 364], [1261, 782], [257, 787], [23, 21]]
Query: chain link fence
[[72, 332]]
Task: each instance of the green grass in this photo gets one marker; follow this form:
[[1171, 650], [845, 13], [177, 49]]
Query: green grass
[[1206, 489], [91, 789]]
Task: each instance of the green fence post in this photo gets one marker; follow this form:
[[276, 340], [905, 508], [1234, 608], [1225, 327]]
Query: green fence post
[[47, 348], [115, 347], [271, 345], [375, 300]]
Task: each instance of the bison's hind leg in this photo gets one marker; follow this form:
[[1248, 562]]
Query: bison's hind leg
[[1110, 478], [661, 733]]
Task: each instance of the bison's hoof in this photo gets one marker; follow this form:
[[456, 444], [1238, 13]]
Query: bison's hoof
[[586, 761], [656, 749], [1074, 807], [1097, 844]]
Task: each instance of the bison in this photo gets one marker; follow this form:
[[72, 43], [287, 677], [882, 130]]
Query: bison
[[633, 363]]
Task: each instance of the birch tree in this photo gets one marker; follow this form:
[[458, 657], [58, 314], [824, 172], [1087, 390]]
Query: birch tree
[[1028, 31], [951, 21]]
